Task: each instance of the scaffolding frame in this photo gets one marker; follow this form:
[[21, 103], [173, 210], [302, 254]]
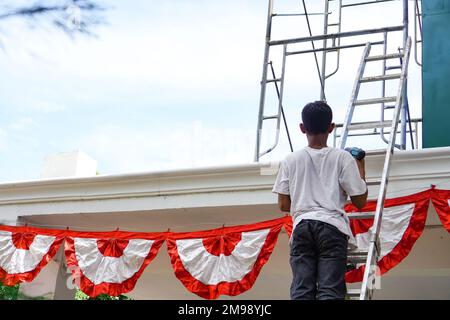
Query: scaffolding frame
[[323, 76]]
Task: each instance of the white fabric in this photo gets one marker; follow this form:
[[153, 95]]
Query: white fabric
[[14, 260], [393, 225], [322, 200], [99, 268], [210, 269]]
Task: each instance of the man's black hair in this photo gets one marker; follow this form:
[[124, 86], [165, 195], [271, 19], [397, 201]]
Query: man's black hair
[[316, 117]]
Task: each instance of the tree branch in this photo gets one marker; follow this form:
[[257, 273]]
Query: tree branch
[[59, 15]]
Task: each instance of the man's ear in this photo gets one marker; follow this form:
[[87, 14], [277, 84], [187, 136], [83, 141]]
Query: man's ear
[[302, 128], [331, 127]]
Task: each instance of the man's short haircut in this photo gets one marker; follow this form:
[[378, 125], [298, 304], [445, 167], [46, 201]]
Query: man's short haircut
[[316, 117]]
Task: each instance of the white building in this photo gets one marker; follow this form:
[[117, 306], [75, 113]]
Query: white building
[[198, 199]]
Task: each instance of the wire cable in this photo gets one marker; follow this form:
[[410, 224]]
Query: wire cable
[[314, 48]]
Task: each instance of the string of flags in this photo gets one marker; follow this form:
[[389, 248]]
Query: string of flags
[[210, 263]]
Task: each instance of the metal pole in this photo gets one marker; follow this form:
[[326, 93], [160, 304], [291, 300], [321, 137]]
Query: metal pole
[[383, 88], [405, 88], [264, 80], [314, 48], [336, 35], [324, 54]]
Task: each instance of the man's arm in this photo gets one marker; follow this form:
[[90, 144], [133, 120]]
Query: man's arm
[[284, 202], [281, 187], [360, 201]]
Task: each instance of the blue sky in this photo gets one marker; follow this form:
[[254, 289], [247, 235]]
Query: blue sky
[[167, 84]]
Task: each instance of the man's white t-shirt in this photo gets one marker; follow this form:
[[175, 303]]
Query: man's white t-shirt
[[319, 182]]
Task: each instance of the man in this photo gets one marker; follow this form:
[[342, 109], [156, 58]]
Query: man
[[313, 185]]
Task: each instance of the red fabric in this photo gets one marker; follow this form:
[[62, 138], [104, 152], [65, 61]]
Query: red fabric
[[288, 226], [112, 244], [224, 288], [112, 247], [404, 246], [22, 238], [222, 245], [220, 241], [440, 200]]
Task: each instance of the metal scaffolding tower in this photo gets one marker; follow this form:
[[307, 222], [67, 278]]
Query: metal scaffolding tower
[[332, 32]]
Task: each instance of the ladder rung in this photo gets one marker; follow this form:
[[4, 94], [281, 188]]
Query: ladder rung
[[369, 125], [361, 215], [270, 117], [356, 257], [375, 101], [380, 78], [385, 57], [354, 294], [393, 68], [373, 182], [389, 107], [273, 80], [376, 152], [333, 24]]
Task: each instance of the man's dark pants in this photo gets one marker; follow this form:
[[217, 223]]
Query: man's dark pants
[[318, 260]]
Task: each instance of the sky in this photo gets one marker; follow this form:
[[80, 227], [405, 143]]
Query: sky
[[169, 84]]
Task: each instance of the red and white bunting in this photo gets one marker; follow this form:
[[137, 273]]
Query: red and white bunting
[[402, 224], [441, 202], [110, 262], [224, 261], [211, 263], [24, 251]]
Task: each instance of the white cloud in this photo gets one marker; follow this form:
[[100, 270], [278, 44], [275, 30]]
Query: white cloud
[[125, 149], [3, 140], [46, 106], [22, 124]]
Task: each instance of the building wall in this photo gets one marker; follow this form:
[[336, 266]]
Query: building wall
[[436, 73]]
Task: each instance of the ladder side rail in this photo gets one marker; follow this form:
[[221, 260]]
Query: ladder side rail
[[409, 124], [282, 109], [398, 146], [264, 80], [324, 53], [383, 90], [374, 248], [408, 116], [338, 51], [355, 91], [405, 87], [417, 21], [280, 105], [416, 131]]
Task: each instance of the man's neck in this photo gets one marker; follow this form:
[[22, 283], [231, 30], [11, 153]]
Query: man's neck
[[317, 141]]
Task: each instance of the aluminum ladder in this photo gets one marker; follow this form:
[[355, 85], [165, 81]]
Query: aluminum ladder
[[370, 257]]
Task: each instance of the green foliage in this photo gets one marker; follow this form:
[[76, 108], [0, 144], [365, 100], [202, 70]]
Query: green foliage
[[9, 293], [12, 293], [80, 295]]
